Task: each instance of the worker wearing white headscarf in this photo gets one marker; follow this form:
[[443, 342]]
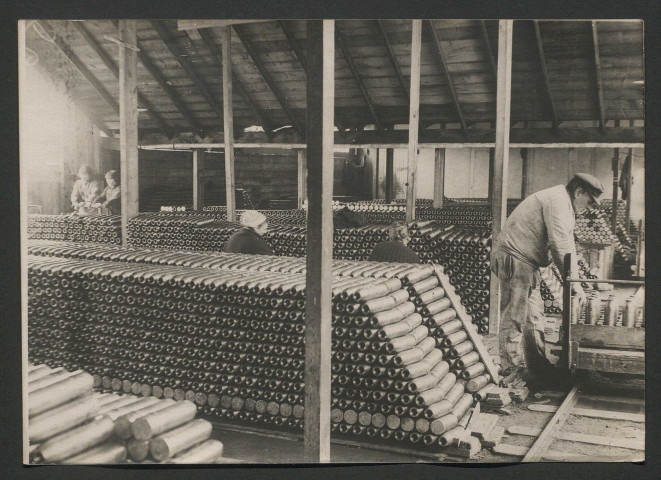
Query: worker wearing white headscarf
[[249, 238]]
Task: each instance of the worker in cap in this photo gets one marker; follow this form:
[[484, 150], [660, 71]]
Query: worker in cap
[[85, 189], [539, 231], [249, 238]]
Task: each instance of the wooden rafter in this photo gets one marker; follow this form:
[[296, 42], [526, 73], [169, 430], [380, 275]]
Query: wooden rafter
[[597, 65], [487, 43], [291, 39], [80, 66], [545, 73], [268, 78], [112, 66], [441, 59], [300, 55], [392, 57], [339, 39], [171, 44], [169, 91], [237, 86]]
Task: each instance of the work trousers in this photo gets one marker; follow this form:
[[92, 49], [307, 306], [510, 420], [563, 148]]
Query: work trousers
[[522, 321]]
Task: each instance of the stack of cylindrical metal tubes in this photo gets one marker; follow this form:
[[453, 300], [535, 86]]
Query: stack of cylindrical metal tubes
[[229, 337], [76, 228], [465, 255], [70, 423]]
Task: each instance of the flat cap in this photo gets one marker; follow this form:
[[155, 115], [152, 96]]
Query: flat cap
[[252, 218], [595, 186]]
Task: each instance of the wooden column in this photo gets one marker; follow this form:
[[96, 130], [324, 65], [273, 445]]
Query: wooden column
[[439, 177], [390, 160], [501, 154], [525, 169], [198, 187], [375, 175], [128, 124], [629, 187], [228, 124], [414, 119], [492, 158], [302, 177], [320, 137], [616, 168]]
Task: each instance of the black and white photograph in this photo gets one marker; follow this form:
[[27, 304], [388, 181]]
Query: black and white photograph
[[346, 241]]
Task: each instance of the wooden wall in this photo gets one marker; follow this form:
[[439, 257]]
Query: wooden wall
[[467, 172]]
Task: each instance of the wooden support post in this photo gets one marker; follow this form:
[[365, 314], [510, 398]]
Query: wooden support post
[[390, 160], [492, 157], [501, 155], [320, 104], [525, 168], [198, 187], [128, 124], [616, 171], [375, 175], [629, 187], [439, 177], [414, 119], [302, 177], [228, 125]]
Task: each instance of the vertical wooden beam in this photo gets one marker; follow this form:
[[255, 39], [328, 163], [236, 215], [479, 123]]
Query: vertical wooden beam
[[390, 160], [501, 155], [414, 119], [228, 124], [616, 170], [375, 175], [492, 158], [128, 124], [525, 169], [530, 173], [302, 177], [597, 66], [198, 188], [320, 103], [439, 177], [629, 186]]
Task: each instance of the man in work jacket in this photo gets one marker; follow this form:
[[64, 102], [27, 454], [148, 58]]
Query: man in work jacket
[[539, 230]]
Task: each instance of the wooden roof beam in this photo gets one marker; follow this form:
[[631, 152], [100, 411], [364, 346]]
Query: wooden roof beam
[[270, 81], [300, 55], [236, 83], [391, 56], [545, 73], [597, 65], [80, 66], [441, 59], [339, 39], [110, 64], [487, 43], [169, 91], [291, 39], [173, 47]]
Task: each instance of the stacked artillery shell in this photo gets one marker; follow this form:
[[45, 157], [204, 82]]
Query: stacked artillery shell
[[287, 217], [185, 231], [76, 228], [551, 290], [226, 332], [465, 255], [69, 423], [160, 195]]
